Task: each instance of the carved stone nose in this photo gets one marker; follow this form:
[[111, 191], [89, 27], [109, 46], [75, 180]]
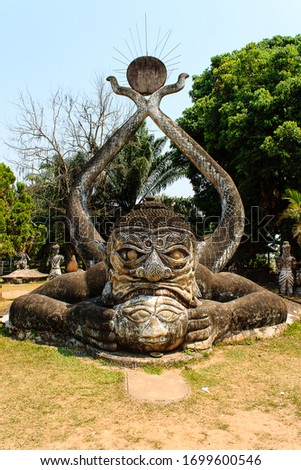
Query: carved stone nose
[[154, 329], [154, 270]]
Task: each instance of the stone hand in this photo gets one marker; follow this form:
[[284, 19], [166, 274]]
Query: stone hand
[[92, 324], [199, 329]]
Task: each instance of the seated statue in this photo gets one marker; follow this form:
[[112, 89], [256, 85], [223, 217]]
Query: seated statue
[[151, 295], [22, 263], [54, 261], [155, 288]]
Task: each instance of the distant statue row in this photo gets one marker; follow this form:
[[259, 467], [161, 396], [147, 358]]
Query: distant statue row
[[55, 261], [289, 279]]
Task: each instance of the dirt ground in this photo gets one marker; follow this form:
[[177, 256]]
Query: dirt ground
[[207, 425]]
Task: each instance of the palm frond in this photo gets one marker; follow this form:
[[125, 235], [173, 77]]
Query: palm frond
[[293, 210]]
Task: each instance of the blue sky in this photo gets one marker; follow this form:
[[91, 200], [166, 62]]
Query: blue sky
[[51, 44]]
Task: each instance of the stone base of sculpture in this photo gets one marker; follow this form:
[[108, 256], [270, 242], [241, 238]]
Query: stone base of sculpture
[[22, 276]]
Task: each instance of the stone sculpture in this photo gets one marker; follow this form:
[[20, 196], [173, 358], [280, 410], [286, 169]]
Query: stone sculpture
[[23, 274], [286, 264], [298, 283], [22, 263], [55, 261], [155, 288]]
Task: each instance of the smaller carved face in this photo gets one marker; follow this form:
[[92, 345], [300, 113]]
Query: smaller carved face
[[150, 323]]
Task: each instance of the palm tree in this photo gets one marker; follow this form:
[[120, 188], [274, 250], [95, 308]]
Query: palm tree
[[140, 169], [293, 211]]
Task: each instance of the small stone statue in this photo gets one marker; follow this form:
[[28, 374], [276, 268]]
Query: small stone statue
[[286, 263], [55, 262], [298, 283], [22, 263]]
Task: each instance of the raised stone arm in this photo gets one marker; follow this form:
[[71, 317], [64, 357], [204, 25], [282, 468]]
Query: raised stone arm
[[236, 304], [53, 319]]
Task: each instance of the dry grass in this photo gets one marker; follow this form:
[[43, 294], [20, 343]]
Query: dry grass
[[10, 291], [51, 399]]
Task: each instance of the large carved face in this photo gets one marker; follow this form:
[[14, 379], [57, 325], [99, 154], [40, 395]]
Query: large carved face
[[151, 258]]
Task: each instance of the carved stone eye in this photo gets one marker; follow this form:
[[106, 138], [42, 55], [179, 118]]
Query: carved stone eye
[[139, 317], [132, 255], [168, 316], [129, 255], [177, 254]]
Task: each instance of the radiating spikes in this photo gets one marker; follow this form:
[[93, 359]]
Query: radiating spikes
[[121, 54], [136, 44], [133, 43], [171, 51], [171, 71], [160, 42], [157, 43], [124, 63], [167, 38], [175, 63], [138, 35], [145, 31], [130, 50], [172, 58]]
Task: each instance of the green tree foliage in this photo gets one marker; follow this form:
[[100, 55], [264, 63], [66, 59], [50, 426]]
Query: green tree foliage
[[246, 113], [50, 183], [293, 212], [17, 231]]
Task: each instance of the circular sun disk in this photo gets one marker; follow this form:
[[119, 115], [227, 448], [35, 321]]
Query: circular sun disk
[[146, 74]]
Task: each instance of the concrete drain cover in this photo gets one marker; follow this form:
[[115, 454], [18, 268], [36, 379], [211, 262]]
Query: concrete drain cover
[[168, 386]]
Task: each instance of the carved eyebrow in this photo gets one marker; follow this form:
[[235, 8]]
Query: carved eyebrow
[[131, 238], [177, 310], [177, 239], [130, 246], [168, 316], [178, 247], [132, 242]]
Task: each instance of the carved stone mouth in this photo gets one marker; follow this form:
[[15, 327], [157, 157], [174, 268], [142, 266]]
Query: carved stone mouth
[[155, 340], [154, 292]]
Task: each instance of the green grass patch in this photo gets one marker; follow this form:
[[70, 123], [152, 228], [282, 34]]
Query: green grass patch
[[155, 369], [52, 399]]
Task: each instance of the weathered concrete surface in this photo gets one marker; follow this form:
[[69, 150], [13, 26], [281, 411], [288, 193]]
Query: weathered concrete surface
[[20, 276], [166, 387]]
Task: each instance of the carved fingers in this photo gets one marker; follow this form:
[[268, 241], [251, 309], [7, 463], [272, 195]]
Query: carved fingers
[[202, 326], [199, 328], [93, 324]]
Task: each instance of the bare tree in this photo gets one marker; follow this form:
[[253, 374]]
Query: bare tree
[[65, 126], [55, 140]]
